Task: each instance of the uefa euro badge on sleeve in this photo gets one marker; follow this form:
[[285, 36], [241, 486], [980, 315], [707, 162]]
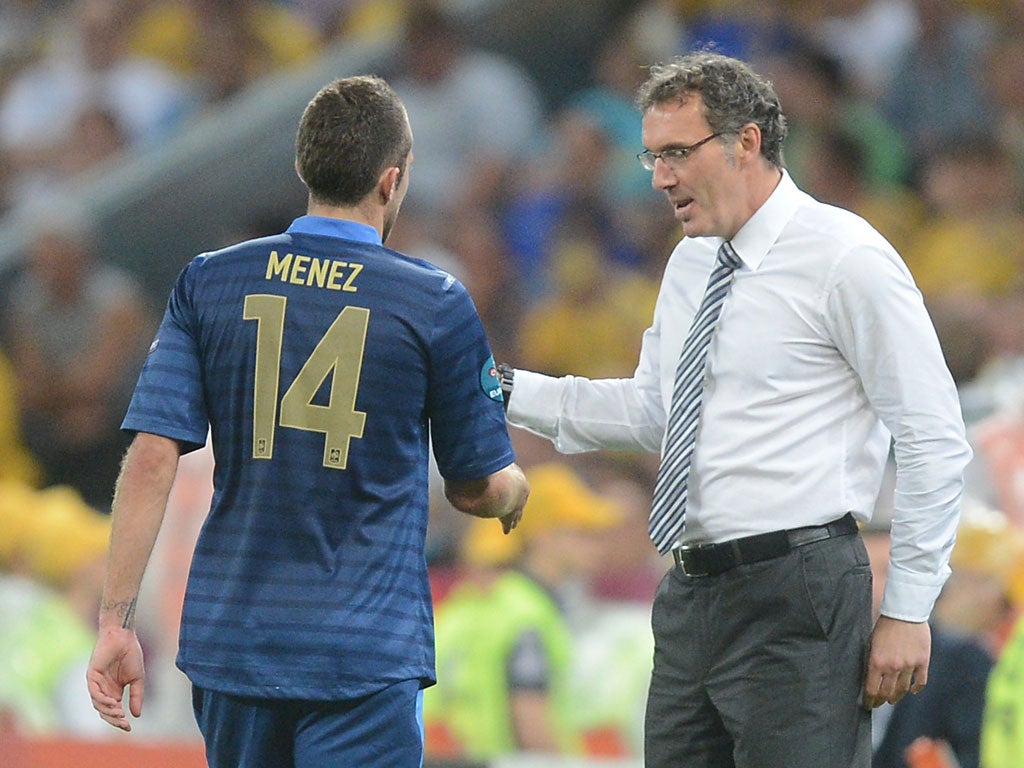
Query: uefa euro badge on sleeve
[[489, 381]]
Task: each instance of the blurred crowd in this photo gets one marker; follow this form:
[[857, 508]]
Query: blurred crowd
[[526, 187]]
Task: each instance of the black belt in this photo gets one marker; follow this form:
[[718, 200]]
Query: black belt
[[713, 559]]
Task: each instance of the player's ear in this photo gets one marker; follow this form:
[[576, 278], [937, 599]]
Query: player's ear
[[387, 185]]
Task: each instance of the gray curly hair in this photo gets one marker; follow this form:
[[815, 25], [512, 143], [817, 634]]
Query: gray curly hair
[[733, 96]]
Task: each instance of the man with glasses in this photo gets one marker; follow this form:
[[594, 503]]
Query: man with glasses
[[789, 343]]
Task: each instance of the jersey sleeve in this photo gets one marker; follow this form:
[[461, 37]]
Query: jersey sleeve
[[168, 398], [464, 403]]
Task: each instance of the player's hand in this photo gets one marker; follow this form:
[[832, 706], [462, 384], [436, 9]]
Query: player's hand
[[116, 662], [898, 660], [511, 520]]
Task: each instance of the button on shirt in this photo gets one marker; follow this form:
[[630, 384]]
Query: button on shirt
[[822, 351]]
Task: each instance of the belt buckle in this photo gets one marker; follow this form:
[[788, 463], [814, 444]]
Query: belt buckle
[[679, 554]]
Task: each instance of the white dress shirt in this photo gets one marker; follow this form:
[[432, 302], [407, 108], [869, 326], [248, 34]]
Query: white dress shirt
[[823, 350]]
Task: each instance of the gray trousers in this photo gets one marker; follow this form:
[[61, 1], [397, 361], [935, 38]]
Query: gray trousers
[[763, 666]]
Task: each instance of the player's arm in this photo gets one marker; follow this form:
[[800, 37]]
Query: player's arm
[[140, 500], [501, 494]]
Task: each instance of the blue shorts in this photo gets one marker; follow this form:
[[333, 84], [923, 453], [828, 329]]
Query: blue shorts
[[382, 730]]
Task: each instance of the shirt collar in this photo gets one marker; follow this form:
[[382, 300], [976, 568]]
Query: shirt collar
[[347, 230], [759, 234]]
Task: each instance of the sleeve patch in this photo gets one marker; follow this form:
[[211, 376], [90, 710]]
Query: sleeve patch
[[489, 381]]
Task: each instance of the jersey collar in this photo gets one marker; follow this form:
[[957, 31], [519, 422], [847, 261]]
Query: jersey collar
[[347, 230]]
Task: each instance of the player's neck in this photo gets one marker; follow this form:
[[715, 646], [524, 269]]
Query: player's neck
[[361, 213]]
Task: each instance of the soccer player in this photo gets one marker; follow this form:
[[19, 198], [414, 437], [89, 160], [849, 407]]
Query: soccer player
[[323, 364]]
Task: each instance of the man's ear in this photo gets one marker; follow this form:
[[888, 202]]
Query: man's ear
[[750, 140], [388, 183]]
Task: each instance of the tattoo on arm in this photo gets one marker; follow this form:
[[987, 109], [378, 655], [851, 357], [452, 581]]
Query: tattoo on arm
[[125, 609], [129, 615]]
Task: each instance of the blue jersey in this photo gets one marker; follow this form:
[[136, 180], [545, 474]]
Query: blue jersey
[[323, 365]]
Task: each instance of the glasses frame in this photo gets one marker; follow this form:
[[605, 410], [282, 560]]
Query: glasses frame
[[672, 156]]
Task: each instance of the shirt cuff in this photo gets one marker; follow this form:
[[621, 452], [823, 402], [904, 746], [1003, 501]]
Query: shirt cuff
[[534, 403], [910, 596]]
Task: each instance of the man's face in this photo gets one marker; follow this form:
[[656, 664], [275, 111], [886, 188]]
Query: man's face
[[702, 187]]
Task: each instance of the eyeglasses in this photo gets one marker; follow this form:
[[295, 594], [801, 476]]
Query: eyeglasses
[[674, 156]]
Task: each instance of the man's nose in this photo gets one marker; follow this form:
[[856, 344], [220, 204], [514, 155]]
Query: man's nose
[[662, 177]]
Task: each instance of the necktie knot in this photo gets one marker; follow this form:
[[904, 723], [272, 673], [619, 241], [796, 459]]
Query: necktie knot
[[727, 255]]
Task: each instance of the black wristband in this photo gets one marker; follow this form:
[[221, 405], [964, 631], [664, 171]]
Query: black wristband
[[506, 376]]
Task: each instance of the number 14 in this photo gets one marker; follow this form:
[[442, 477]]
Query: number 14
[[338, 354]]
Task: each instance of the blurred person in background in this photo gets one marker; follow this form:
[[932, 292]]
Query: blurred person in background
[[91, 67], [869, 37], [819, 99], [632, 567], [323, 367], [484, 265], [95, 138], [936, 95], [476, 112], [997, 472], [972, 237], [76, 331], [1004, 77], [951, 706], [327, 17], [52, 553], [556, 43], [985, 592], [505, 631], [983, 341], [564, 189], [837, 173], [364, 21], [16, 461], [596, 308], [1002, 729], [223, 46], [739, 29], [613, 645], [962, 322], [607, 101], [823, 336]]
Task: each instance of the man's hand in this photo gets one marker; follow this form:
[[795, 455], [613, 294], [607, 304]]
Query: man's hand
[[116, 662], [898, 661]]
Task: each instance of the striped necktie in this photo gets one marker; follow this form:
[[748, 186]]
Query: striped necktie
[[668, 509]]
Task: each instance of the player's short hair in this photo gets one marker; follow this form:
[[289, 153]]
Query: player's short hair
[[732, 93], [351, 131]]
